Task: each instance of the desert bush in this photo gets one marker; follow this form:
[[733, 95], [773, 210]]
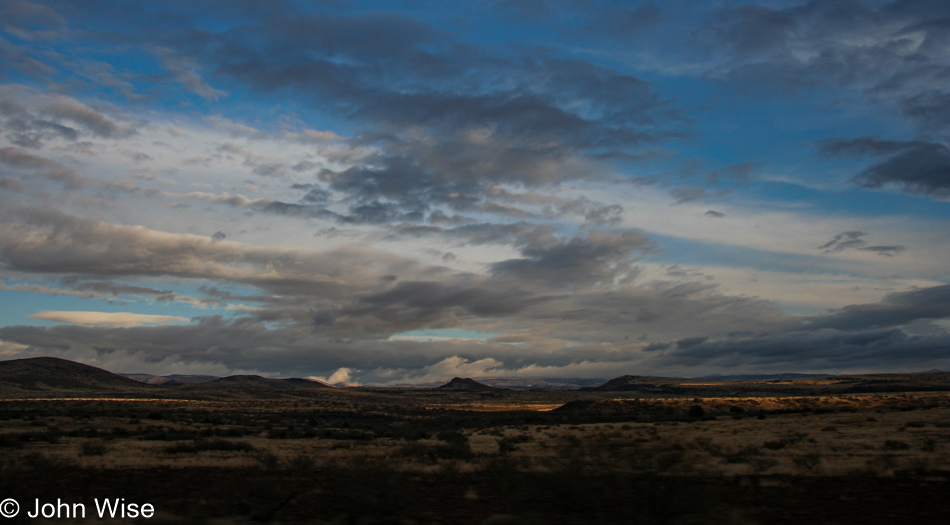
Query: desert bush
[[452, 437], [881, 464], [507, 444], [10, 441], [894, 444], [268, 460], [929, 445], [743, 455], [337, 433], [434, 452], [762, 464], [202, 445], [808, 461], [920, 466], [696, 411], [669, 459], [92, 448], [301, 463]]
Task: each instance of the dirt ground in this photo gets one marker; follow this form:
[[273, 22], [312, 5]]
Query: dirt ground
[[871, 458]]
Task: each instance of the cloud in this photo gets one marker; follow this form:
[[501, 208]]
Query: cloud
[[107, 318], [896, 309], [918, 167], [853, 240], [894, 51], [18, 158], [456, 366], [598, 256], [418, 304], [98, 123], [343, 375], [505, 177], [185, 71], [818, 351], [32, 119], [31, 21], [44, 241], [874, 336], [447, 117], [685, 194]]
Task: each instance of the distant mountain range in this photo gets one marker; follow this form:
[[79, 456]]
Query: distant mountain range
[[53, 377], [173, 378]]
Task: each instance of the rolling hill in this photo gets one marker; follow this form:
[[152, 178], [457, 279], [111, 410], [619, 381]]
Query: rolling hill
[[51, 375]]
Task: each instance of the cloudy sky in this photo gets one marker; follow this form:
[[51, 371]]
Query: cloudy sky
[[391, 192]]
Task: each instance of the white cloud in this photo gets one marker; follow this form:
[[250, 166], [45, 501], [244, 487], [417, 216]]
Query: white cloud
[[107, 318]]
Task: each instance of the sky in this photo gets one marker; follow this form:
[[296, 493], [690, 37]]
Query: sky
[[404, 192]]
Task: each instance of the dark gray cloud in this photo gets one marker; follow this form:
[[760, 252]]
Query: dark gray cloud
[[31, 120], [895, 309], [924, 170], [449, 118], [93, 247], [94, 121], [895, 52], [424, 303], [930, 108], [887, 334], [919, 167], [690, 342], [22, 160], [597, 257], [587, 258], [10, 184], [715, 214], [817, 351], [854, 240], [32, 21]]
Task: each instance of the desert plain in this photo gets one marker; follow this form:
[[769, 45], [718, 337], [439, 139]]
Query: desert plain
[[244, 449]]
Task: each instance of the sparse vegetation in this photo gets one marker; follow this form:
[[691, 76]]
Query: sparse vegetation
[[359, 457]]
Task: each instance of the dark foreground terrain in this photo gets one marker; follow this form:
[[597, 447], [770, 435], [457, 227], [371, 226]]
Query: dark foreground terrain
[[251, 450]]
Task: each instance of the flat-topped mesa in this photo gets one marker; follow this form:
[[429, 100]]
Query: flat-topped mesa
[[466, 384]]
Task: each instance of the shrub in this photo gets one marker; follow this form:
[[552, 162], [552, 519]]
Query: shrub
[[201, 445], [696, 411], [92, 448], [894, 444], [808, 461]]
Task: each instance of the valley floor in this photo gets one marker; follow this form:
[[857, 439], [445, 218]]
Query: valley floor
[[470, 459]]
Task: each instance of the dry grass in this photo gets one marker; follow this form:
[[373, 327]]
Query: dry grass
[[828, 436]]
